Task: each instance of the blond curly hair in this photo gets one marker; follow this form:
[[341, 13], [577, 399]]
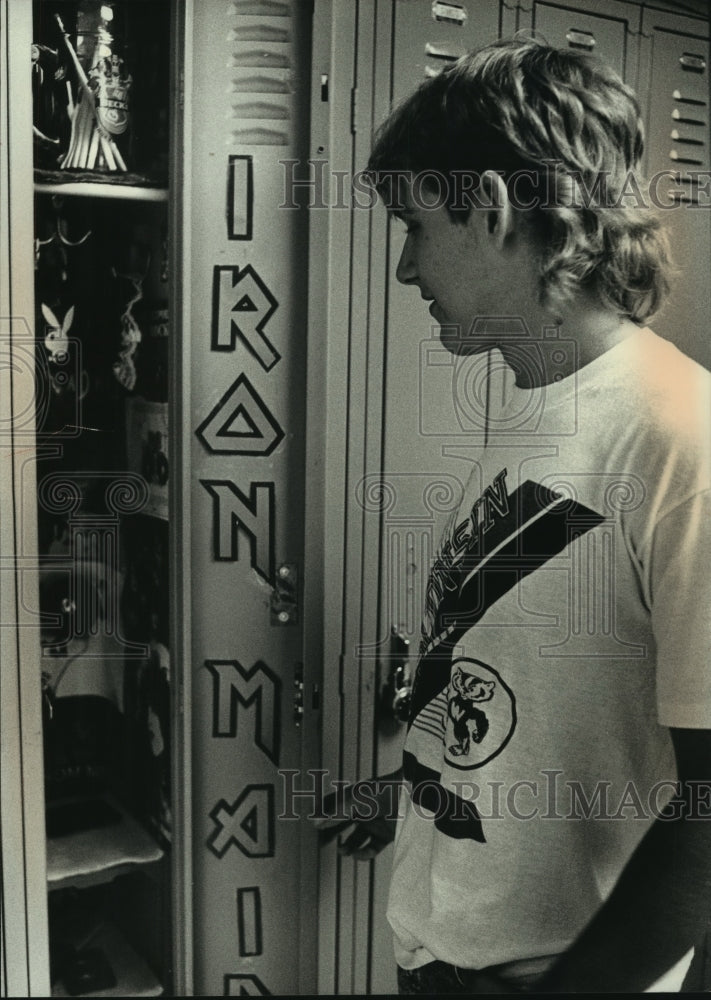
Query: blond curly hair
[[566, 134]]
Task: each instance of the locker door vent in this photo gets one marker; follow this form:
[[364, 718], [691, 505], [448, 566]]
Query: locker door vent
[[264, 97], [689, 132]]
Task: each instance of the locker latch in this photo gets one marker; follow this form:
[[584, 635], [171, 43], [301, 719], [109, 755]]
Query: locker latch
[[396, 695], [284, 609]]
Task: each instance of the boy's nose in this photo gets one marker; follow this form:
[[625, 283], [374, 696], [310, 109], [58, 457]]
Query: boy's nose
[[406, 273]]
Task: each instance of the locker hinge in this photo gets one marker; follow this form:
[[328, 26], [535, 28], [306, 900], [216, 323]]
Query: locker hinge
[[181, 88], [354, 110]]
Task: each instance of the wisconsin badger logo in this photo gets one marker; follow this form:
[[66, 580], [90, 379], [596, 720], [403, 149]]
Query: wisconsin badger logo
[[470, 723]]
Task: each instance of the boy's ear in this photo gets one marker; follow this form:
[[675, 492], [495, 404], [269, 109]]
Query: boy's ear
[[499, 217]]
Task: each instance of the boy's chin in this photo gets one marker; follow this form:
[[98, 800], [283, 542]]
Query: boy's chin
[[462, 344]]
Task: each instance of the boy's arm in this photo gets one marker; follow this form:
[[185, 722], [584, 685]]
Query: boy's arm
[[661, 905]]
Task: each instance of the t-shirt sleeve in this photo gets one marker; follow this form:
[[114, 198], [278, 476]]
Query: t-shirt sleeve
[[680, 587]]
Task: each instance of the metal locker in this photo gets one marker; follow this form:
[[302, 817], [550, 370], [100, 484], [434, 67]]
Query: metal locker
[[386, 344], [428, 35], [675, 77], [397, 413], [603, 34]]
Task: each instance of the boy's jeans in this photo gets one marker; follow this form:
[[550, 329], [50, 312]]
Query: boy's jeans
[[440, 977]]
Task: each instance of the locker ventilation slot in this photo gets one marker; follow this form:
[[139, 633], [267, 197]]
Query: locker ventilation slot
[[677, 116], [261, 8], [260, 109], [260, 85], [685, 99], [687, 193], [260, 137], [259, 33], [258, 58], [689, 140], [677, 158]]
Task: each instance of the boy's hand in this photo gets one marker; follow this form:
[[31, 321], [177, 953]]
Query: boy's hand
[[364, 814]]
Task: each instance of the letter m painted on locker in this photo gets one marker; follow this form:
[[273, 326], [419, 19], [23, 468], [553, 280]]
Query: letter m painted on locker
[[234, 689]]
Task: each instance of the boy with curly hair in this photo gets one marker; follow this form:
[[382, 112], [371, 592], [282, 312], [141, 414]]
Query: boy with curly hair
[[554, 829]]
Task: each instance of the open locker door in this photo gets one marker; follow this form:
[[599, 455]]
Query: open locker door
[[254, 712]]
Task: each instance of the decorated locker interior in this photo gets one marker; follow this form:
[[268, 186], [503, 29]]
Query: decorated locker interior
[[211, 600]]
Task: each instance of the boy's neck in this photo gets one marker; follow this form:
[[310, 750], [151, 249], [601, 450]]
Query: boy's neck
[[561, 345]]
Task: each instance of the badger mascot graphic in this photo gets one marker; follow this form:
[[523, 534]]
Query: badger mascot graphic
[[469, 722]]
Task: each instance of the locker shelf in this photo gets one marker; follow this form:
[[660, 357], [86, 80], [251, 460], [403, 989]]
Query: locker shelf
[[125, 187], [91, 857], [133, 976]]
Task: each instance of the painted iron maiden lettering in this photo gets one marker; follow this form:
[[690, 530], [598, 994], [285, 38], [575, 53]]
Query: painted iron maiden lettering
[[240, 197], [233, 512], [234, 690], [240, 424], [244, 986], [249, 921], [241, 307], [248, 823]]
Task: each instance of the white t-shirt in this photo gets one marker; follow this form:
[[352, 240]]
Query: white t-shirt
[[566, 627]]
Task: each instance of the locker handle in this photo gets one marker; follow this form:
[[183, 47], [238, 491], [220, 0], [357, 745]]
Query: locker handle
[[454, 13], [396, 695], [697, 64], [583, 39]]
